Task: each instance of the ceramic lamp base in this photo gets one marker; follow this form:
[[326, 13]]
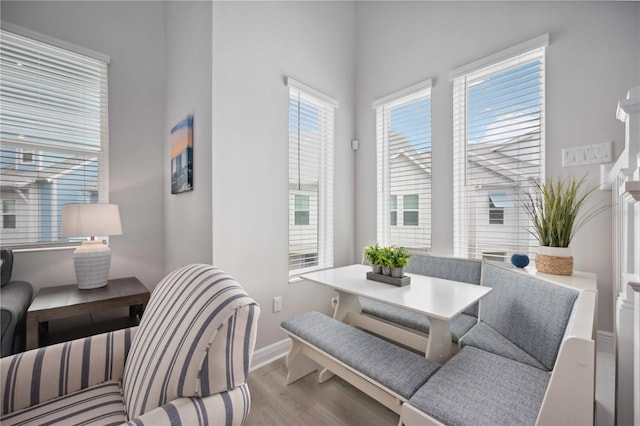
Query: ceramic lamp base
[[92, 261]]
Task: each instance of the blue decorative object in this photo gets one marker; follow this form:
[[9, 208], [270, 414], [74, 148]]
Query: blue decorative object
[[520, 260]]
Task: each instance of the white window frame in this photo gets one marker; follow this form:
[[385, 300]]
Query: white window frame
[[39, 141], [5, 214], [493, 64], [383, 108], [326, 106]]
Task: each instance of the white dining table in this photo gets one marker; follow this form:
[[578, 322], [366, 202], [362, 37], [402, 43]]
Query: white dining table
[[440, 300]]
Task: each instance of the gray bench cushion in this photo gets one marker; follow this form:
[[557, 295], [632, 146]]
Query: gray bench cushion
[[449, 268], [459, 325], [392, 366], [484, 337], [480, 388], [531, 313]]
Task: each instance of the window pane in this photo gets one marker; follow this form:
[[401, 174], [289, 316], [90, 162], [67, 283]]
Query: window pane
[[8, 206], [302, 202], [9, 221], [410, 202], [410, 218], [302, 218], [394, 218], [496, 217], [393, 202]]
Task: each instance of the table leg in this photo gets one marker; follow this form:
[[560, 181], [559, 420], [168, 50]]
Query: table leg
[[32, 333], [347, 302], [439, 344]]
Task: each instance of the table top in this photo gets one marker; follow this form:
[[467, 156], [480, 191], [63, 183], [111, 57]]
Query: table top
[[70, 295], [433, 297]]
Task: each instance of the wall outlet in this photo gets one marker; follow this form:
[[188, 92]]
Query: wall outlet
[[277, 304]]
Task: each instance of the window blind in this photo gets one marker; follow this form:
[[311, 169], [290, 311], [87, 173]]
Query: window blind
[[403, 139], [53, 134], [498, 114], [311, 138]]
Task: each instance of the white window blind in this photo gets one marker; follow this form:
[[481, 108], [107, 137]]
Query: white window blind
[[403, 139], [311, 135], [498, 113], [53, 134]]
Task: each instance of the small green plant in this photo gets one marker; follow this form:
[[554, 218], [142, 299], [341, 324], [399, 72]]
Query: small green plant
[[554, 208], [371, 254], [399, 257], [386, 256]]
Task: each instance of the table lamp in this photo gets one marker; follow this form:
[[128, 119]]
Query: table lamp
[[93, 258]]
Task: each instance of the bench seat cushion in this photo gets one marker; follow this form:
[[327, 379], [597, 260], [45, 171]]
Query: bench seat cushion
[[480, 388], [527, 310], [101, 404], [459, 325], [484, 337], [396, 368]]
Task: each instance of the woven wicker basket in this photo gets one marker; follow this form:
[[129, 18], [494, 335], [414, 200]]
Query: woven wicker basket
[[556, 265]]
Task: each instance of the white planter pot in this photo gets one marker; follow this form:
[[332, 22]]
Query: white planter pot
[[555, 251]]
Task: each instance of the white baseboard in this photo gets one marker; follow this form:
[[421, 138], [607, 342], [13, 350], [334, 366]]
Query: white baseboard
[[270, 353], [604, 337]]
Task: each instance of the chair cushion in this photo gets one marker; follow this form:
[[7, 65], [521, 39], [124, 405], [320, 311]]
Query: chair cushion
[[100, 404], [192, 309], [459, 325], [396, 368], [528, 311], [486, 338], [480, 388], [449, 268]]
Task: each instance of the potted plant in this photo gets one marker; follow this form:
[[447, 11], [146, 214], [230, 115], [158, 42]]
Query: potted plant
[[556, 209], [371, 254], [399, 260], [386, 256]]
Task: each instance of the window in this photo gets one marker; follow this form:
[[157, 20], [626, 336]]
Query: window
[[393, 205], [498, 149], [403, 139], [301, 209], [53, 134], [9, 214], [311, 116]]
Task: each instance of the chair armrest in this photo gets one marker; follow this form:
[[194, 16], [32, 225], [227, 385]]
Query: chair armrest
[[39, 375], [226, 408]]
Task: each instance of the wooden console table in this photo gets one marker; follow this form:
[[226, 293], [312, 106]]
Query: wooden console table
[[68, 301]]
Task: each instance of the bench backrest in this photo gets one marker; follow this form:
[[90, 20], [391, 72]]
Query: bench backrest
[[528, 311], [451, 268]]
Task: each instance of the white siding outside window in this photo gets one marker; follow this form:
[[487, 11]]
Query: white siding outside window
[[403, 140], [498, 149], [311, 135], [53, 134]]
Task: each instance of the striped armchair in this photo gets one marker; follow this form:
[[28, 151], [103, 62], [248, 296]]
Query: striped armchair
[[186, 363]]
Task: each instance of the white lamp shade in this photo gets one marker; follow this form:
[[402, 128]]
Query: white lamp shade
[[90, 220]]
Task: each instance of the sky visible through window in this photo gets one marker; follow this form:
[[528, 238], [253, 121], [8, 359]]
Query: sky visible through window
[[403, 119]]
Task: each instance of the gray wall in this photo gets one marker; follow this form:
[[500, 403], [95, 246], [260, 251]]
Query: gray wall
[[592, 60], [187, 220], [255, 46], [133, 35]]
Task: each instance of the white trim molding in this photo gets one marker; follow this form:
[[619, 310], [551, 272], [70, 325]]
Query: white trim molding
[[270, 353]]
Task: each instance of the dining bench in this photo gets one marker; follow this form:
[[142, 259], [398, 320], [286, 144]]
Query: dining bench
[[410, 328], [387, 372], [530, 359]]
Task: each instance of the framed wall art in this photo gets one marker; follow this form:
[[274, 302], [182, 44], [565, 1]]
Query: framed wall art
[[182, 156]]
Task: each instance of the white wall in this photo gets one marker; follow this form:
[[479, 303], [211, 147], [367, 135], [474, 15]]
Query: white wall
[[255, 46], [133, 35], [187, 219], [592, 60]]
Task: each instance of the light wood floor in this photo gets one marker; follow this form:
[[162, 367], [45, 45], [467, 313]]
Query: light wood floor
[[307, 402]]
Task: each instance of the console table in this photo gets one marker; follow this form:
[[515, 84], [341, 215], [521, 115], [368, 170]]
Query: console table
[[68, 301]]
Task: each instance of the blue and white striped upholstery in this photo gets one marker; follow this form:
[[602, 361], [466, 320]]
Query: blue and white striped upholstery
[[231, 406], [193, 309], [187, 363], [98, 405], [47, 373]]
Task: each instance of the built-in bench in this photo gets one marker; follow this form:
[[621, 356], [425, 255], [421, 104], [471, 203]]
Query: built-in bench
[[385, 371], [410, 328], [530, 359]]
